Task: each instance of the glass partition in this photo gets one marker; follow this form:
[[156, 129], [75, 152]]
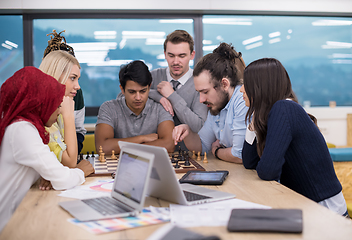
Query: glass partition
[[316, 51], [103, 45], [11, 49]]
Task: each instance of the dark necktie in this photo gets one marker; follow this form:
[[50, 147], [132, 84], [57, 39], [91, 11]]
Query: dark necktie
[[175, 84]]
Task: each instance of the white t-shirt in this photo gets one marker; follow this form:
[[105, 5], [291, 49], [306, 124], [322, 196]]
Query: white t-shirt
[[23, 159]]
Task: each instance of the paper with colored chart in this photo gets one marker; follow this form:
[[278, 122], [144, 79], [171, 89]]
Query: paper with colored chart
[[148, 216]]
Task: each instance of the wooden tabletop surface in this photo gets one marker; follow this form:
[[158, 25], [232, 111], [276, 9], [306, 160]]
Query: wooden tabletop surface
[[40, 217]]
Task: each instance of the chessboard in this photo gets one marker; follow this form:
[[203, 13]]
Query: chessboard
[[107, 167], [183, 162]]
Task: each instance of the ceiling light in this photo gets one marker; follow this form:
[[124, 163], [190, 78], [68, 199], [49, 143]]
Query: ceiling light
[[11, 44], [160, 56], [341, 55], [209, 48], [332, 23], [6, 46], [122, 44], [342, 61], [254, 45], [252, 40], [116, 63], [162, 64], [332, 45], [274, 34], [93, 46], [154, 41], [176, 21], [274, 40], [105, 33]]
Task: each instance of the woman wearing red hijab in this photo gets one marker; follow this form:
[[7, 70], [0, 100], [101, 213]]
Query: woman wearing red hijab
[[30, 100]]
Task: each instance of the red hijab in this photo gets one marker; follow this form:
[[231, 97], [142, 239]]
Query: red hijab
[[32, 96]]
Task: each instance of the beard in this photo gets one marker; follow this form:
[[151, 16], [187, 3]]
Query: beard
[[217, 107], [176, 73]]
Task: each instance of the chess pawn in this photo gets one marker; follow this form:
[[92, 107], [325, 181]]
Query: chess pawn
[[177, 165], [113, 156], [194, 154], [102, 157], [198, 157], [187, 163], [205, 160], [173, 159]]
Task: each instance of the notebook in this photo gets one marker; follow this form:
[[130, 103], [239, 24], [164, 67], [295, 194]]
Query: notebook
[[266, 220], [164, 184], [128, 192]]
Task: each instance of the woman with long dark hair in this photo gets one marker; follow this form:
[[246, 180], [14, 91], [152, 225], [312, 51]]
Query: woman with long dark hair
[[282, 142]]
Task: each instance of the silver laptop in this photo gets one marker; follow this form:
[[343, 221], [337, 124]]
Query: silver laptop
[[165, 185], [128, 192]]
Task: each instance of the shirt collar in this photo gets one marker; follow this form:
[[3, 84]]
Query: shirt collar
[[237, 89], [182, 79]]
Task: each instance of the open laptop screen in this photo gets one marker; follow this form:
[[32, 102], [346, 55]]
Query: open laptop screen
[[131, 176]]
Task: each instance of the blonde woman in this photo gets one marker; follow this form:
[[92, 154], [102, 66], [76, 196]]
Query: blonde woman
[[58, 42], [66, 69]]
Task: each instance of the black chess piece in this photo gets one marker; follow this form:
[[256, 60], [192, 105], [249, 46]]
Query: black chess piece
[[173, 158], [79, 157], [177, 165], [87, 155], [187, 163], [93, 156]]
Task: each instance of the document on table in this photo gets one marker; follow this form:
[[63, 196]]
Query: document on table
[[208, 214], [100, 188]]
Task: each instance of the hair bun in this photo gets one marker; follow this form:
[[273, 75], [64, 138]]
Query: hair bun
[[227, 51], [58, 42]]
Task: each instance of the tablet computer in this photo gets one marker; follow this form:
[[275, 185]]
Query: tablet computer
[[204, 178]]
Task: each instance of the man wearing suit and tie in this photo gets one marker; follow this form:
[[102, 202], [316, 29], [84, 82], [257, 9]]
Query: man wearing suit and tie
[[173, 86]]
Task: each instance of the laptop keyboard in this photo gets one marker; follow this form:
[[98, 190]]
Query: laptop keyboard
[[190, 196], [105, 205]]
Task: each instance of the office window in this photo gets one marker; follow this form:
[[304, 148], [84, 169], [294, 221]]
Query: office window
[[11, 49], [316, 51], [103, 45]]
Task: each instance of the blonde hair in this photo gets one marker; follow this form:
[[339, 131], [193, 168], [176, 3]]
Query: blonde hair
[[58, 64]]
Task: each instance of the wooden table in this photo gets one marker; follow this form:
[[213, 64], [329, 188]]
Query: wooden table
[[40, 217]]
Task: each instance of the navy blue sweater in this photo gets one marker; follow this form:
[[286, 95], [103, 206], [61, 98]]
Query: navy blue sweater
[[295, 153]]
